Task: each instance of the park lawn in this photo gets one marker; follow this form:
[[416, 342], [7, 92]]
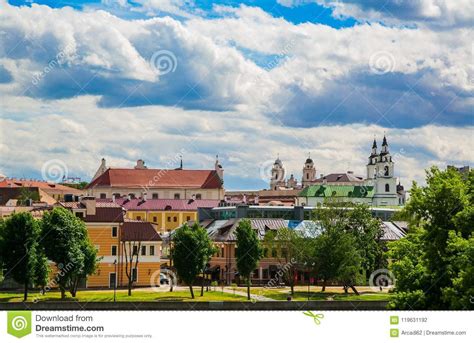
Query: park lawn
[[108, 296], [302, 295]]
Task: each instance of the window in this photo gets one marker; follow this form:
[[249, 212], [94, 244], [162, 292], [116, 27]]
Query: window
[[152, 250], [131, 195], [175, 219], [139, 218], [386, 170], [135, 250], [114, 231], [265, 252], [154, 196], [103, 196], [117, 195], [114, 250], [255, 274], [222, 252], [284, 253], [265, 273], [134, 274], [387, 187], [334, 193], [198, 196], [143, 250], [176, 196], [155, 219], [169, 219], [188, 218], [79, 214], [307, 176]]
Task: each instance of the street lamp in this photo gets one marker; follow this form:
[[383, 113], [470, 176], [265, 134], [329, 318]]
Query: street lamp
[[115, 279]]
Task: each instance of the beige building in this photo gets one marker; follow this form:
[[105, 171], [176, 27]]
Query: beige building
[[147, 183]]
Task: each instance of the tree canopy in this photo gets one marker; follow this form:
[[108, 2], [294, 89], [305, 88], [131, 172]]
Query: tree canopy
[[433, 265], [192, 249], [249, 251]]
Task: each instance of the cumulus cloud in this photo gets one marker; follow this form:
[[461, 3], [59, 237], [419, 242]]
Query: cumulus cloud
[[94, 85], [126, 134], [436, 13]]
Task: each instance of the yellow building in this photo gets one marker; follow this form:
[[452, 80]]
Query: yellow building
[[111, 233], [166, 214]]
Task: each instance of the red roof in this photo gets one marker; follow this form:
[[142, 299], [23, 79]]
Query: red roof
[[44, 185], [158, 178], [133, 230], [105, 212], [341, 177], [165, 204]]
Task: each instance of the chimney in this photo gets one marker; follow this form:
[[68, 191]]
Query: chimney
[[140, 164], [90, 203]]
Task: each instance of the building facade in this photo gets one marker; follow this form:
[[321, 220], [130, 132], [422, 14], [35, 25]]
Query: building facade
[[378, 188], [110, 232], [144, 182]]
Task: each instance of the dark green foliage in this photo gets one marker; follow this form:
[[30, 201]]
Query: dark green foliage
[[437, 259], [192, 249], [21, 253], [249, 251], [348, 245], [66, 243]]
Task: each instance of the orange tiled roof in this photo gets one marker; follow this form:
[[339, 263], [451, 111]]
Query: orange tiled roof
[[157, 178], [44, 185]]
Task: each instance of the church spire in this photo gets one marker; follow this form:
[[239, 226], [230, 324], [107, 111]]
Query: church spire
[[384, 150]]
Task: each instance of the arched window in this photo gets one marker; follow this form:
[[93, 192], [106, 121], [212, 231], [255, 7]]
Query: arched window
[[387, 187], [386, 170], [307, 176]]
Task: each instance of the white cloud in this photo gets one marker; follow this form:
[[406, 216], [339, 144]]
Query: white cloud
[[437, 13], [127, 134], [218, 100]]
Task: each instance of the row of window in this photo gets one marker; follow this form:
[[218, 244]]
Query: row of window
[[144, 248], [266, 252], [155, 196], [169, 218]]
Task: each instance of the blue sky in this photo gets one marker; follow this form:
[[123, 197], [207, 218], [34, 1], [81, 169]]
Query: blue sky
[[246, 80]]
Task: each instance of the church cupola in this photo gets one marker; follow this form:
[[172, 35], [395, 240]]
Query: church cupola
[[309, 172], [278, 175]]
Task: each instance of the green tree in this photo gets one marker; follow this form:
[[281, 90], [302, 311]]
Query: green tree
[[346, 245], [21, 254], [249, 251], [290, 247], [440, 274], [368, 232], [67, 244], [192, 249]]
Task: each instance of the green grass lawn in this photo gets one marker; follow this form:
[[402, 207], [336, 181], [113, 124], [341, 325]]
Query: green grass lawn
[[302, 295], [107, 296]]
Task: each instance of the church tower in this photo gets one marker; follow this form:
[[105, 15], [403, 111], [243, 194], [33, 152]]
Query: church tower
[[219, 169], [385, 181], [278, 175], [309, 172], [373, 158]]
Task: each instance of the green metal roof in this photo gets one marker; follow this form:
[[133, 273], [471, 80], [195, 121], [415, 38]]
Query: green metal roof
[[326, 191]]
